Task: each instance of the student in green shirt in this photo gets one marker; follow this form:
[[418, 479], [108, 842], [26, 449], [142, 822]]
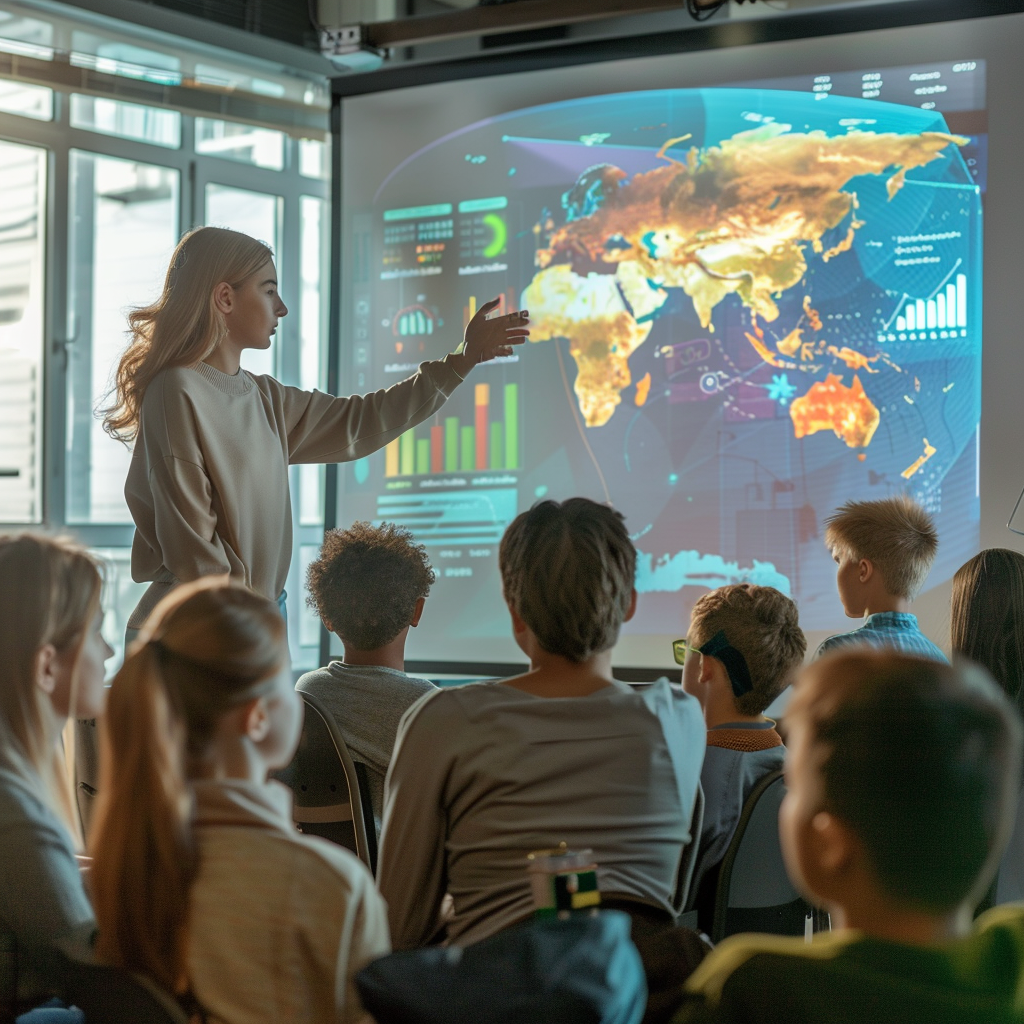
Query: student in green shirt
[[902, 778]]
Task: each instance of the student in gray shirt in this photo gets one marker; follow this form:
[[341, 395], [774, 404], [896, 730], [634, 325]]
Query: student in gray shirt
[[369, 586], [484, 774], [51, 667], [742, 648]]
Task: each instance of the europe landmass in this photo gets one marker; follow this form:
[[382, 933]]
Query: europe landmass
[[735, 218]]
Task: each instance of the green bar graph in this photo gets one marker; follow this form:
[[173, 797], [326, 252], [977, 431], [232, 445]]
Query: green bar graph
[[511, 426], [451, 444], [407, 453], [468, 435], [423, 456], [497, 446]]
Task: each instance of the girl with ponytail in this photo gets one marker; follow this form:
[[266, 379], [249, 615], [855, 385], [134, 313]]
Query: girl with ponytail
[[51, 668], [208, 482], [200, 880]]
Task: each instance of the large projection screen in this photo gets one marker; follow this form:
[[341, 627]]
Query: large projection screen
[[761, 278]]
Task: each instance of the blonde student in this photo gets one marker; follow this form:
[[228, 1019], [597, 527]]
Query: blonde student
[[200, 879], [883, 551], [208, 482], [51, 667]]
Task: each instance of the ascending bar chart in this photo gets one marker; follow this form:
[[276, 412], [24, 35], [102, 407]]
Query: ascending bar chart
[[456, 447], [945, 311]]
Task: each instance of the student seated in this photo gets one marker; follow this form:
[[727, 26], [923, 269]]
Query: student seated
[[51, 669], [742, 648], [486, 773], [369, 586], [987, 626], [884, 550], [201, 881], [902, 777]]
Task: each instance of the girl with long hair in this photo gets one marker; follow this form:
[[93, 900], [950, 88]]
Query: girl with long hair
[[987, 626], [51, 668], [208, 482], [987, 617], [200, 880]]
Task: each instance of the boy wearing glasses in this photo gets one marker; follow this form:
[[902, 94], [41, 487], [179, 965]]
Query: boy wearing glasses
[[743, 646]]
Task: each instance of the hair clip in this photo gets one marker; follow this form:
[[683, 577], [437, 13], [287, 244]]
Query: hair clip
[[735, 664]]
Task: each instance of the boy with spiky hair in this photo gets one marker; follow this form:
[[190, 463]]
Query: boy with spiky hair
[[742, 648], [369, 586], [884, 550], [902, 779]]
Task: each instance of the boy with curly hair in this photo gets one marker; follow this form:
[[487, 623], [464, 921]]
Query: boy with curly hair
[[369, 586]]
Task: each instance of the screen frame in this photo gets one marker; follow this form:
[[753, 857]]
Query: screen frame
[[551, 56]]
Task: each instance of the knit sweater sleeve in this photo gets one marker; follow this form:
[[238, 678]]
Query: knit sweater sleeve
[[322, 428]]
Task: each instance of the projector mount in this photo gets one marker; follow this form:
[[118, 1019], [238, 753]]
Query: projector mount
[[365, 47]]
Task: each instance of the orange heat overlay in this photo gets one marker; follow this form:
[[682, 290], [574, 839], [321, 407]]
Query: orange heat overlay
[[643, 388], [762, 350], [861, 456], [854, 360], [830, 405], [790, 343], [929, 451], [813, 318]]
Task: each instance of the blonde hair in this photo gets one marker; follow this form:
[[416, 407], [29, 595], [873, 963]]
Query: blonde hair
[[895, 534], [762, 624], [210, 646], [183, 326], [49, 594]]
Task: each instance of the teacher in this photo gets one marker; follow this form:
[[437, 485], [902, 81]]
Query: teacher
[[208, 481]]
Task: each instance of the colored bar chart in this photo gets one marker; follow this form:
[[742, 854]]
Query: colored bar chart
[[945, 311], [451, 446]]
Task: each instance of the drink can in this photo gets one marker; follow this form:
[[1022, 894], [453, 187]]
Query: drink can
[[563, 882]]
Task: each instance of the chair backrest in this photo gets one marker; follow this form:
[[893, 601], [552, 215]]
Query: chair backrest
[[110, 995], [688, 862], [754, 892], [327, 798]]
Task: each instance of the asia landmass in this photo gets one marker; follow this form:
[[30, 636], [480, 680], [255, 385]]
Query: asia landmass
[[731, 219]]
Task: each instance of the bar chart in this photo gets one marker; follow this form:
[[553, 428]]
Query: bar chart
[[452, 446], [945, 311], [478, 517]]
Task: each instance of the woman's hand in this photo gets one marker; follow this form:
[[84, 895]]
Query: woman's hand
[[488, 339]]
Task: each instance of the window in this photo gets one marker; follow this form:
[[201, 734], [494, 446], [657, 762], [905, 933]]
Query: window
[[22, 234], [33, 101], [245, 143], [125, 226], [126, 120]]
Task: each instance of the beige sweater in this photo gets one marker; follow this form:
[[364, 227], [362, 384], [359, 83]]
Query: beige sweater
[[279, 923], [208, 482]]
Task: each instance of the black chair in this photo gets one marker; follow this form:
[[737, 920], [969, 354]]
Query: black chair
[[687, 918], [109, 995], [754, 892], [331, 796]]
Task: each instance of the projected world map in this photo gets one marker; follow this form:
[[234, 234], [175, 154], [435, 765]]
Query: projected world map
[[748, 306]]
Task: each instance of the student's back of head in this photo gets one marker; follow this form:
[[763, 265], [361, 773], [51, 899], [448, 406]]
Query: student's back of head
[[368, 582], [761, 624], [209, 649], [567, 569], [51, 655], [920, 761], [895, 534], [987, 617]]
